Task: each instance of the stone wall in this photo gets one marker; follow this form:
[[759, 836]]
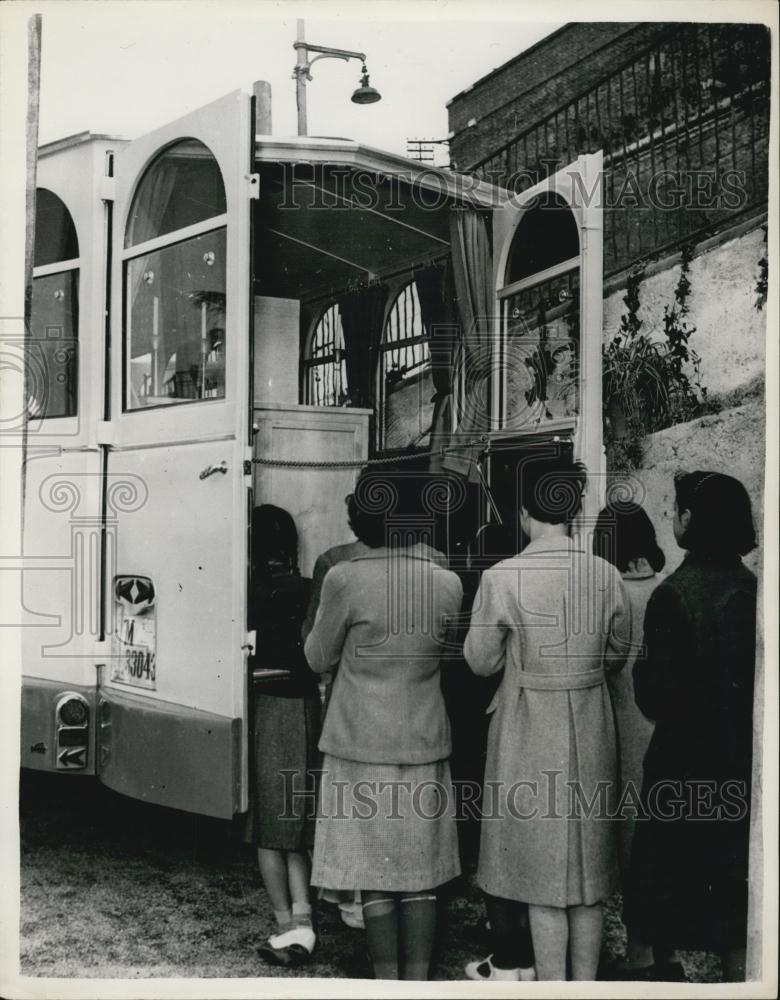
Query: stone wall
[[731, 441], [730, 332]]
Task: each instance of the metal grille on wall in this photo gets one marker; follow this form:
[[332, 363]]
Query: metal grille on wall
[[684, 127], [325, 364]]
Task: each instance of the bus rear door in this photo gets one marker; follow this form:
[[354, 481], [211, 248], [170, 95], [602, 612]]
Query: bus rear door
[[172, 708], [546, 390]]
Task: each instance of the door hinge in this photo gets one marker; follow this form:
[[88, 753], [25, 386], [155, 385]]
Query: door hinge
[[247, 466], [108, 188], [254, 186]]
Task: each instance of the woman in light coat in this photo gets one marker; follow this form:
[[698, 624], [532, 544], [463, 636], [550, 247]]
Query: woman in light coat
[[552, 618], [385, 824]]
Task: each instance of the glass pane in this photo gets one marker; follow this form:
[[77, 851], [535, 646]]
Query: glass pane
[[409, 411], [181, 187], [542, 348], [547, 235], [327, 366], [175, 334], [405, 373], [53, 348], [55, 234]]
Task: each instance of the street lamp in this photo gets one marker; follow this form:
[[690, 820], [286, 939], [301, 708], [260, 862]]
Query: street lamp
[[365, 93]]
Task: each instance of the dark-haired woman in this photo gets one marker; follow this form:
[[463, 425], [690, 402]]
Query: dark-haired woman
[[385, 824], [624, 535], [553, 618], [286, 726], [689, 864]]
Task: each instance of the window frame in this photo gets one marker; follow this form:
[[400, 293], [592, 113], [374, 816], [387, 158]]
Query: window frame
[[61, 267], [384, 348], [337, 361], [158, 243]]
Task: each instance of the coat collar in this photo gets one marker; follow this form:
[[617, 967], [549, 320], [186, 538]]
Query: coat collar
[[417, 551], [553, 544]]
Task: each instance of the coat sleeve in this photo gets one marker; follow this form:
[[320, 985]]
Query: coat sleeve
[[321, 567], [326, 640], [619, 645], [660, 677], [485, 645], [738, 650]]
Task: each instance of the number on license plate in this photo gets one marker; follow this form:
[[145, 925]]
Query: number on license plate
[[135, 656]]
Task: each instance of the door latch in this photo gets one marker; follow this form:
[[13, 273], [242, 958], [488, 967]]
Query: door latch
[[211, 469]]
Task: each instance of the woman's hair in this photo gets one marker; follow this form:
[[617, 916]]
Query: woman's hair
[[551, 489], [385, 508], [274, 537], [721, 515], [624, 533]]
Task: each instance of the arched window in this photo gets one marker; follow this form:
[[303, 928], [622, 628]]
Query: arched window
[[405, 382], [174, 271], [54, 317], [540, 319], [325, 366]]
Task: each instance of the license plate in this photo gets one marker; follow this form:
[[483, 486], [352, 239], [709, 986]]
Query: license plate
[[135, 649]]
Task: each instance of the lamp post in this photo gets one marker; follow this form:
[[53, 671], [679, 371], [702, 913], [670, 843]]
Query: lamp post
[[365, 94]]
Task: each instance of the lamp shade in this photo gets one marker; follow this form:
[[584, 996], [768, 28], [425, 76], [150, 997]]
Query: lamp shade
[[365, 94]]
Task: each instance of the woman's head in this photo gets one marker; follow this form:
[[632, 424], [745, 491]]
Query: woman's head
[[551, 489], [274, 538], [713, 515], [385, 509], [624, 534]]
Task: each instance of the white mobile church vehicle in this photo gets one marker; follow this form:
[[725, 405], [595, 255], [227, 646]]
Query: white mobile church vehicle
[[222, 319]]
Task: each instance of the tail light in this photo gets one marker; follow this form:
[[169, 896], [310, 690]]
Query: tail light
[[71, 723]]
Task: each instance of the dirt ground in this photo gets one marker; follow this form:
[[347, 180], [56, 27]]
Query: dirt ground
[[117, 888]]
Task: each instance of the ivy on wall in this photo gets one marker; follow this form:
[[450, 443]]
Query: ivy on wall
[[762, 282], [649, 385]]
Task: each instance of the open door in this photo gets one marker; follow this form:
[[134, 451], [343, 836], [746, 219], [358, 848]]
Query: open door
[[173, 689], [548, 268]]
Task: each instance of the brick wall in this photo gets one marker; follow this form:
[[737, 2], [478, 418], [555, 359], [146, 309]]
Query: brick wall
[[537, 81], [680, 111]]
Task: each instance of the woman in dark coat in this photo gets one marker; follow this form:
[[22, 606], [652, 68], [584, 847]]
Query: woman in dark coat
[[688, 879]]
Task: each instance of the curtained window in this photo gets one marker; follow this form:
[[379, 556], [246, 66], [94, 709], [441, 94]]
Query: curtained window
[[472, 263], [54, 316], [362, 316], [175, 319]]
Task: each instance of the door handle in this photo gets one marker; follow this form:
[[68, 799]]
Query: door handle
[[211, 469]]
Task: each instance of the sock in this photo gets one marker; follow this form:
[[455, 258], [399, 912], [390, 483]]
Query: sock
[[301, 914], [283, 920], [381, 920], [418, 926]]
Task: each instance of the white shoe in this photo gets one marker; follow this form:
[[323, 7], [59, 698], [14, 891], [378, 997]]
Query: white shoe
[[303, 937], [485, 971]]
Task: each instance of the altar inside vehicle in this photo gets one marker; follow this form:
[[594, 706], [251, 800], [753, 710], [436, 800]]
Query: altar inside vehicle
[[356, 330]]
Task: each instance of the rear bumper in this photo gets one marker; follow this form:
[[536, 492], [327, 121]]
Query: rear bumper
[[169, 754], [38, 724]]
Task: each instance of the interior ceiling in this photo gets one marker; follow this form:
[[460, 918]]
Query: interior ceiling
[[311, 239]]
